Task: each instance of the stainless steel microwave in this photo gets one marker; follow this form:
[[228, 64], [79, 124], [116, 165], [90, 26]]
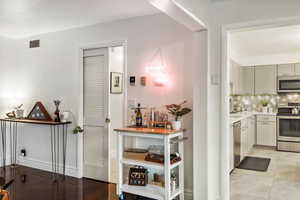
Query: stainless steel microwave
[[288, 84]]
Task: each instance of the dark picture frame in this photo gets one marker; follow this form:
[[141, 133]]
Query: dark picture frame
[[116, 82]]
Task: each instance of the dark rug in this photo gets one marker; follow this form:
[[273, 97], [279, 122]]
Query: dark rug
[[255, 163]]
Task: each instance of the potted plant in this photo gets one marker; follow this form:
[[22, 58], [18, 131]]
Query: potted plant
[[77, 130], [264, 104], [177, 111]]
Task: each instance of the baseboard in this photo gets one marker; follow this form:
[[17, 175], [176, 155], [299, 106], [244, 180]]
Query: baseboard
[[188, 194], [46, 166], [7, 162]]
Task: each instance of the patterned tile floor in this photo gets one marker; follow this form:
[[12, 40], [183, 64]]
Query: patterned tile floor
[[280, 182]]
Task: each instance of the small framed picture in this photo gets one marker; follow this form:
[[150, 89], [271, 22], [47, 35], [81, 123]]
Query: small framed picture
[[116, 82]]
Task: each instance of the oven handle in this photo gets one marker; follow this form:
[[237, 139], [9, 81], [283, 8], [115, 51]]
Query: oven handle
[[288, 117]]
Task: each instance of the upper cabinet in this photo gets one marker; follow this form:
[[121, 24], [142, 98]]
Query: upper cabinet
[[235, 78], [286, 70], [247, 80], [265, 79], [241, 79], [297, 69]]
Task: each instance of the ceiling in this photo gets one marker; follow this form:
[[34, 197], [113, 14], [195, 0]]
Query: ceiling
[[265, 42], [23, 18]]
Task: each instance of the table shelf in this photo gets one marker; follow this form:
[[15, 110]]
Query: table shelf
[[147, 164], [151, 191]]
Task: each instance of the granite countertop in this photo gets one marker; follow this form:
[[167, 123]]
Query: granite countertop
[[243, 115]]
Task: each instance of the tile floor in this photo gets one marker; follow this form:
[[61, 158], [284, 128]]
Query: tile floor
[[280, 182]]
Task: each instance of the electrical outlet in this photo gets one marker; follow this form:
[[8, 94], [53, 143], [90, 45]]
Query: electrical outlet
[[23, 152]]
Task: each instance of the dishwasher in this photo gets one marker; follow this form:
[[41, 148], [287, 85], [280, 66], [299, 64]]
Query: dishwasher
[[237, 143]]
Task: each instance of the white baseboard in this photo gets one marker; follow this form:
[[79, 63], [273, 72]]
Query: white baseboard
[[46, 166], [7, 162], [188, 194]]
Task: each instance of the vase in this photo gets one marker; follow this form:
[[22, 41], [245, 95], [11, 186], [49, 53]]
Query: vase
[[265, 109], [176, 125], [19, 113]]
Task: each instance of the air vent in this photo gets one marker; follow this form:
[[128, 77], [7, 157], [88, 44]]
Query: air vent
[[34, 44]]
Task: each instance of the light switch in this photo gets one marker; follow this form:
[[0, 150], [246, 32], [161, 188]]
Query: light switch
[[215, 79], [132, 103]]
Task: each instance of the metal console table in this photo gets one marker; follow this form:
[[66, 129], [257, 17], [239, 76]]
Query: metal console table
[[56, 130]]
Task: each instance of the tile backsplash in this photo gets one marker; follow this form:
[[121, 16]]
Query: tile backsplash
[[254, 102]]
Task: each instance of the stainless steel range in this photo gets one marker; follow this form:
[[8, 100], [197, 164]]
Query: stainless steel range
[[288, 127]]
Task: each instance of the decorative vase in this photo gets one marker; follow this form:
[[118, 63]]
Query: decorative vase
[[57, 103], [64, 116], [265, 109], [176, 125], [19, 113]]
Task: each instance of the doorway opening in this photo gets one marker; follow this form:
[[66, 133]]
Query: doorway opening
[[256, 56], [102, 109]]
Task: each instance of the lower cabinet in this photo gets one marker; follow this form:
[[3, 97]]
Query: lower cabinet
[[231, 149], [251, 132], [266, 130], [244, 138]]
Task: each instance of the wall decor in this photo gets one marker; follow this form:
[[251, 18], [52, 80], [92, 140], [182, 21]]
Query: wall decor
[[57, 103], [39, 112], [156, 69], [116, 82], [143, 80], [132, 80], [138, 176]]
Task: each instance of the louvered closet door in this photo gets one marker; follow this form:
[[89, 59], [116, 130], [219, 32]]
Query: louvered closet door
[[95, 112]]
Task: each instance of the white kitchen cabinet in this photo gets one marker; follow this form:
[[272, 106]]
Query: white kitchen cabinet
[[286, 70], [266, 130], [244, 138], [247, 80], [235, 78], [265, 79], [251, 132], [231, 149], [297, 69]]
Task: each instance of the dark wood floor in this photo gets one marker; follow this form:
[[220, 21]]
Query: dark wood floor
[[33, 184]]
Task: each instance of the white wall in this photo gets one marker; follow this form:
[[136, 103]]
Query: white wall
[[215, 15], [269, 59], [116, 109], [52, 72]]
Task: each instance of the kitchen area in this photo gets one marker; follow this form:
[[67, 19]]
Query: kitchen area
[[264, 135]]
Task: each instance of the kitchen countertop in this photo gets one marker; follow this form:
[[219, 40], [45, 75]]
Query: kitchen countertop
[[235, 117], [159, 131]]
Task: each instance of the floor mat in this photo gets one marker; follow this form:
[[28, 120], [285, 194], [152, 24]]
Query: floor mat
[[255, 163]]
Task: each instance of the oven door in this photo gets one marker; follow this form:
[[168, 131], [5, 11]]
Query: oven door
[[288, 84], [288, 128]]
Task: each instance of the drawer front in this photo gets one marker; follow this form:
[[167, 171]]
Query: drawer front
[[266, 118], [244, 123]]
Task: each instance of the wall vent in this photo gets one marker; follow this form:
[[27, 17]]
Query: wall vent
[[34, 43]]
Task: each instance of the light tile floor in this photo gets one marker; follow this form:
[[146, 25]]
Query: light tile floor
[[280, 182]]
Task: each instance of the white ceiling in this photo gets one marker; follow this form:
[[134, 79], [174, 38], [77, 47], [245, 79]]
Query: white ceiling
[[265, 42], [22, 18]]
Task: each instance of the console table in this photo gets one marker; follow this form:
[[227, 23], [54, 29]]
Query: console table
[[56, 130]]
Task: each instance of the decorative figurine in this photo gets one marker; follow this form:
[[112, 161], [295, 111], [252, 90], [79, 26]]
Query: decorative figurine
[[19, 111], [39, 112], [57, 118], [11, 114]]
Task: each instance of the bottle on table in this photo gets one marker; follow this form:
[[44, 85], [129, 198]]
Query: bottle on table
[[139, 116]]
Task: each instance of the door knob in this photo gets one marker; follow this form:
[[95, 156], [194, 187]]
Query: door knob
[[107, 120]]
